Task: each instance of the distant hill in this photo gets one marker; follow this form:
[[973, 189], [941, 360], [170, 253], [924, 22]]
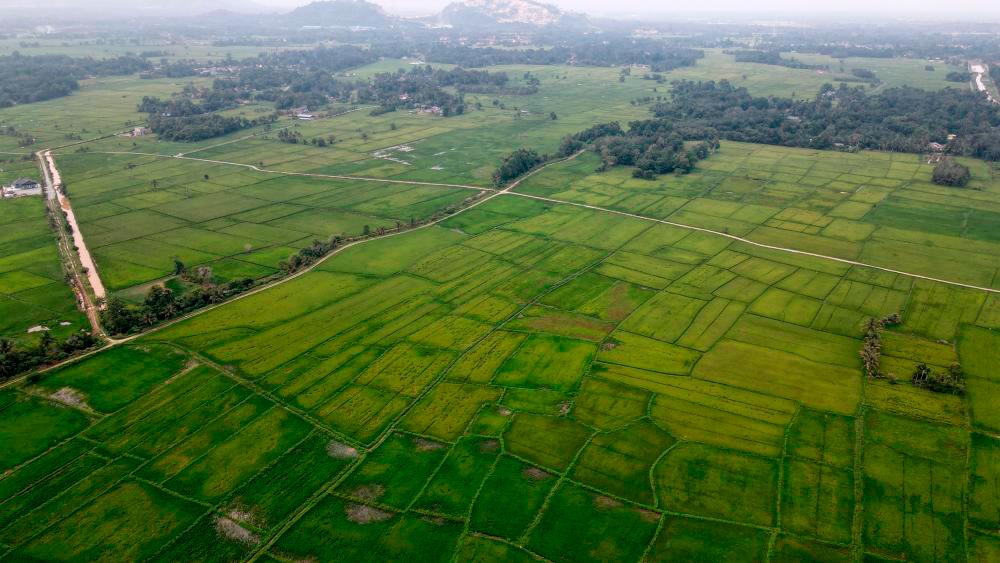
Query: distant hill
[[506, 13], [345, 13]]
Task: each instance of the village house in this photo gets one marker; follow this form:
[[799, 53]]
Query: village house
[[21, 187]]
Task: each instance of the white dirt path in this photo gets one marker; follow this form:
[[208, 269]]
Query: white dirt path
[[81, 246]]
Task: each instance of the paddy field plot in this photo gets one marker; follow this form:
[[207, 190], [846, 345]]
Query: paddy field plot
[[139, 214], [33, 291], [528, 378], [501, 389]]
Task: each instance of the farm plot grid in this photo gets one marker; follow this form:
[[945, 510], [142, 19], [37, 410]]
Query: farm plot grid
[[140, 214], [527, 379], [876, 208], [420, 147]]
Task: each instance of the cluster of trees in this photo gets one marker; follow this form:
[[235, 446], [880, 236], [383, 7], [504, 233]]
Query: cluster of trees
[[871, 349], [310, 254], [950, 173], [292, 81], [168, 69], [295, 138], [589, 51], [161, 303], [951, 381], [28, 79], [897, 119], [517, 164], [653, 146], [956, 76], [200, 127], [182, 119], [18, 358], [184, 105], [24, 139], [772, 58], [866, 74], [413, 89]]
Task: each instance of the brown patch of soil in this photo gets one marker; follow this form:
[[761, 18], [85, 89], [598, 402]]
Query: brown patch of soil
[[338, 450], [620, 306], [535, 474], [504, 411], [601, 501], [361, 514], [230, 529], [609, 345], [489, 446], [436, 520], [368, 492], [71, 397], [648, 515], [564, 408], [427, 445]]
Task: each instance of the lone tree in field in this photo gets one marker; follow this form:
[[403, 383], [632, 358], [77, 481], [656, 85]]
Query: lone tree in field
[[950, 173]]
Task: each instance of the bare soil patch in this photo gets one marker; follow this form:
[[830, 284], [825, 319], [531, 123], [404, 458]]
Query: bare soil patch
[[601, 501], [229, 529], [427, 445], [368, 492], [648, 515], [489, 446], [338, 450], [536, 474], [71, 397], [361, 514]]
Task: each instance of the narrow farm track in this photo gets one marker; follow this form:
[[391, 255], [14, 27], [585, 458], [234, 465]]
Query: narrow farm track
[[302, 174], [508, 191], [760, 244]]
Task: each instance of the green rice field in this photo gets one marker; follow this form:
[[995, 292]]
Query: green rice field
[[590, 367], [33, 293], [538, 388]]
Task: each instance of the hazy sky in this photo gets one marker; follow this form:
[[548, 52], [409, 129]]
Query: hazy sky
[[899, 8], [866, 10]]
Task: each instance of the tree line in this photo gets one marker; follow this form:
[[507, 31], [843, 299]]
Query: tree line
[[587, 51], [772, 58], [652, 146], [28, 79], [898, 119], [17, 357]]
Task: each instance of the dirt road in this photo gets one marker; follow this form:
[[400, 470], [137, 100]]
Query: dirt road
[[979, 70], [54, 180]]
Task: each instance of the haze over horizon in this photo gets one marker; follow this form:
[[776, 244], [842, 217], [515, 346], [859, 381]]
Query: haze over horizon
[[964, 10]]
